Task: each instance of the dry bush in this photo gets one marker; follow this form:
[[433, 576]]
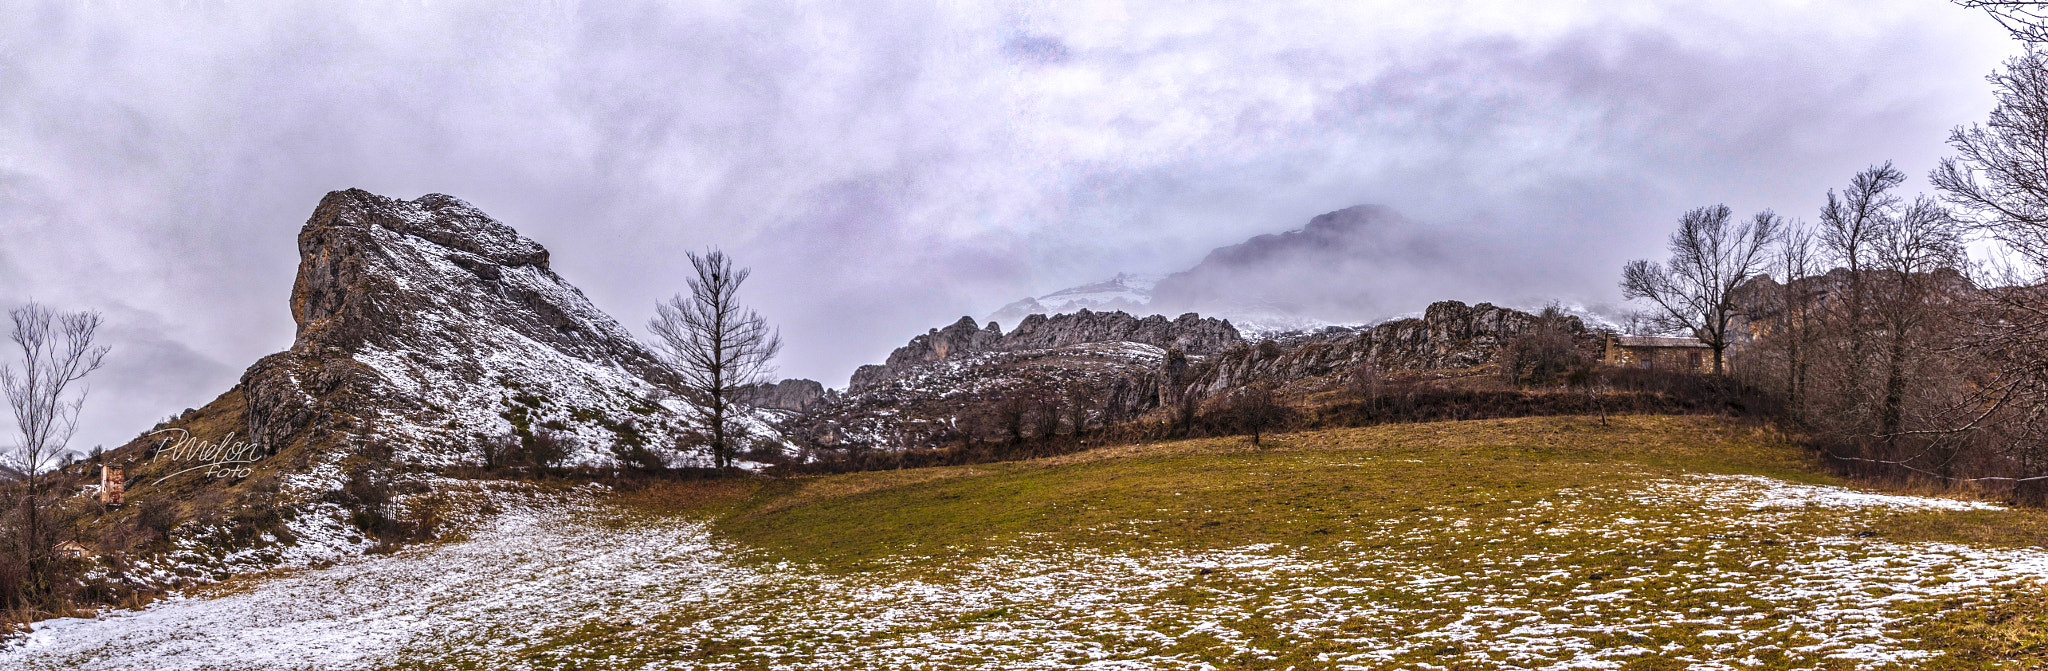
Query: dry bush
[[1545, 354]]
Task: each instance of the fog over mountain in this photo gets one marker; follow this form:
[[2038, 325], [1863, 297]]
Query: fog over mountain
[[888, 167], [1356, 264]]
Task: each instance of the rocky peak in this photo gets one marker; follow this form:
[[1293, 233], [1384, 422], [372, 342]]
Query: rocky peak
[[1190, 333], [421, 321]]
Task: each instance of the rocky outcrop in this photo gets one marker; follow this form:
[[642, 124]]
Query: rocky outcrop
[[1110, 366], [426, 324], [1191, 333], [1450, 335], [794, 395]]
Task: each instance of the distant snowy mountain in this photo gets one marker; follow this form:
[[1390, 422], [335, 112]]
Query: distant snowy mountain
[[1347, 267], [1132, 293], [1126, 292]]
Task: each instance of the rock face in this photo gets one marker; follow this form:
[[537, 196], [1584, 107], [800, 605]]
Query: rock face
[[1450, 335], [794, 395], [944, 385], [947, 383], [428, 324], [1190, 333]]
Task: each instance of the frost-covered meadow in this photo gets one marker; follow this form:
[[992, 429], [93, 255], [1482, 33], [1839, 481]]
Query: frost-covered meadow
[[1705, 571]]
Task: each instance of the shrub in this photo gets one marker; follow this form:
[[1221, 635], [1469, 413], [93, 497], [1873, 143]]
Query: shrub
[[1545, 353], [638, 457], [1252, 410], [157, 516], [550, 449]]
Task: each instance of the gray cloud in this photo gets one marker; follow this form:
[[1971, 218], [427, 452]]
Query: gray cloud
[[888, 167], [1038, 49]]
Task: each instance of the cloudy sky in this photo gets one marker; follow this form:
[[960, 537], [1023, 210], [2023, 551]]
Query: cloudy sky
[[889, 167]]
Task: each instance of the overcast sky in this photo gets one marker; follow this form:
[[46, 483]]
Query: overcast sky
[[885, 168]]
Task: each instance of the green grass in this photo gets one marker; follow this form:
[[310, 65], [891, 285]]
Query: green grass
[[1301, 489], [1412, 528], [2005, 630]]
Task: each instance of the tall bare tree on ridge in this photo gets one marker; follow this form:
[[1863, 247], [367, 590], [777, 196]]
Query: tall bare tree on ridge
[[1998, 183], [715, 346]]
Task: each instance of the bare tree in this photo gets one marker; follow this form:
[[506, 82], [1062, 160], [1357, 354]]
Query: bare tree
[[1795, 307], [1080, 400], [715, 346], [1910, 251], [1258, 409], [1009, 415], [1999, 185], [1847, 224], [57, 351], [1998, 180], [2027, 21], [1544, 353], [1710, 258]]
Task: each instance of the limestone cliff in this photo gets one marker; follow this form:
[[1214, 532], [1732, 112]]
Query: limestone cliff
[[1190, 333], [426, 324]]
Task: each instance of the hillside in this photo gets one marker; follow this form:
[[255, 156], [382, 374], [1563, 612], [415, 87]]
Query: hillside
[[1652, 542], [429, 337]]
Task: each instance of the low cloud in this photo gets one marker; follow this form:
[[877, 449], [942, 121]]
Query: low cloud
[[889, 167]]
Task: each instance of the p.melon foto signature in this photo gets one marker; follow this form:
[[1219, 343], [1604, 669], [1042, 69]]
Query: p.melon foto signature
[[227, 458]]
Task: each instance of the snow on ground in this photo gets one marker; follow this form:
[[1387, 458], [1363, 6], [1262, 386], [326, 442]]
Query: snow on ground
[[1756, 491], [549, 582]]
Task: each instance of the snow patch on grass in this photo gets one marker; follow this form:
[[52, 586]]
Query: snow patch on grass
[[550, 582]]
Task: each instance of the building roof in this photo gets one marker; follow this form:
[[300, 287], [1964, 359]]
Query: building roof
[[1657, 341]]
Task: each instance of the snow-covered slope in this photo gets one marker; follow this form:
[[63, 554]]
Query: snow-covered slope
[[430, 326], [460, 330]]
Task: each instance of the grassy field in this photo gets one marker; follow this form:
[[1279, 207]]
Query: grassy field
[[1312, 490], [1545, 508], [1541, 543]]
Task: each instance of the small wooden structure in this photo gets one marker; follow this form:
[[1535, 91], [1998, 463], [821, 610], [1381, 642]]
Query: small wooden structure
[[1659, 352], [113, 484], [73, 550]]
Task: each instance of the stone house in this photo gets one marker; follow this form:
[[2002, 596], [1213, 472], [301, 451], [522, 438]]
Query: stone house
[[1658, 352], [72, 550]]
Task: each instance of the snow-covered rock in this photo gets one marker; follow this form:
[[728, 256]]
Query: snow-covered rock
[[428, 325], [1126, 292]]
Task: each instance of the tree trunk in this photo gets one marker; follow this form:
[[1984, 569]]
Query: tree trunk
[[1893, 412]]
